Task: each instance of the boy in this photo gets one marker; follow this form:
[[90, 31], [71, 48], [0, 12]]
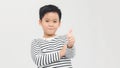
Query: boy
[[52, 51]]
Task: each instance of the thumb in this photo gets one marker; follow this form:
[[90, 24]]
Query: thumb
[[69, 33]]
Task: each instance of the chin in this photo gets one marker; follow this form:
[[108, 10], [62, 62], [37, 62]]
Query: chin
[[50, 34]]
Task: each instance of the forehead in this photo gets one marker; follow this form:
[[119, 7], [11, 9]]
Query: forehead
[[51, 15]]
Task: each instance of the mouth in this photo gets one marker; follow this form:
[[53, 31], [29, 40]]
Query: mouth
[[50, 28]]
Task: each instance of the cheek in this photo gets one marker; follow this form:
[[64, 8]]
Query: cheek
[[44, 26], [57, 25]]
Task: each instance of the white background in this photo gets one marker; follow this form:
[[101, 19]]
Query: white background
[[95, 24]]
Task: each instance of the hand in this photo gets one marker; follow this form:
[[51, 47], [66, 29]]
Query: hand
[[63, 51], [71, 39]]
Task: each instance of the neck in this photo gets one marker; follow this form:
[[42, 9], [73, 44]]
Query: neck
[[48, 36]]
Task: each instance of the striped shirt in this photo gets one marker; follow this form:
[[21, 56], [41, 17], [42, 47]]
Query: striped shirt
[[45, 52]]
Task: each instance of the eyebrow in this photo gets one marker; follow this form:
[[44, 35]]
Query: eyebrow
[[49, 19]]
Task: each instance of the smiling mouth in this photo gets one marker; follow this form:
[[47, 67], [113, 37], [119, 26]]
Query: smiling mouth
[[51, 28]]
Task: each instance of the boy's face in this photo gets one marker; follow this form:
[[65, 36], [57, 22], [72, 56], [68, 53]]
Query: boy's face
[[50, 23]]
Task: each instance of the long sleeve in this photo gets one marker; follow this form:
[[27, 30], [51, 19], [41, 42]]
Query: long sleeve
[[42, 59], [70, 52]]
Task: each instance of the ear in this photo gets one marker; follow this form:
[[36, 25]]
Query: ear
[[59, 23], [40, 22]]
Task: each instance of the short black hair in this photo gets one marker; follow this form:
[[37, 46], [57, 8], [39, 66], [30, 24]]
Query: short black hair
[[49, 8]]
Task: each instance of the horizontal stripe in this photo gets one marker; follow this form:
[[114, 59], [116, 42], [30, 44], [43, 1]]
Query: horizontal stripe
[[45, 52]]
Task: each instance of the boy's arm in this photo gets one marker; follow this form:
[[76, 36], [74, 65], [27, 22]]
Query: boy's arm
[[70, 40], [42, 59], [70, 52]]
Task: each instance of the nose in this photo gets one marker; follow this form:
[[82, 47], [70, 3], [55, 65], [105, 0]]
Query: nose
[[51, 24]]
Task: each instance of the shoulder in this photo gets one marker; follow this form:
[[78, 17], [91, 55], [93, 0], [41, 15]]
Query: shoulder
[[62, 38], [36, 41]]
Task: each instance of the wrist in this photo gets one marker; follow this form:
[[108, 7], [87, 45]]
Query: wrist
[[69, 46]]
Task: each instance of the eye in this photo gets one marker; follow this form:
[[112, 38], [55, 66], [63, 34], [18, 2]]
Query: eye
[[54, 21], [46, 20]]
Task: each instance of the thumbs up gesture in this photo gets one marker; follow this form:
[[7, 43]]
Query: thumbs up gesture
[[70, 39]]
